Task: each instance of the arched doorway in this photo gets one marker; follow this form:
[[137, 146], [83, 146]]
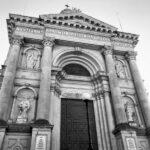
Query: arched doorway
[[78, 127]]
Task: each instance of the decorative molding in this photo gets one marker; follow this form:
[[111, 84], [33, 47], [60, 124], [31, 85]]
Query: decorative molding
[[107, 50], [42, 123], [29, 30], [131, 143], [76, 34], [131, 55], [16, 40], [55, 87], [22, 128], [48, 41], [75, 95], [77, 51], [70, 33], [40, 143]]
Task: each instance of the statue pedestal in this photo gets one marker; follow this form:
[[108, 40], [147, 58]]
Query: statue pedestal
[[126, 138], [21, 120], [41, 137]]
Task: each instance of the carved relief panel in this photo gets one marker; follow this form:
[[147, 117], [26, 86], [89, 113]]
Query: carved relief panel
[[31, 58], [23, 110], [121, 68], [17, 142], [143, 143]]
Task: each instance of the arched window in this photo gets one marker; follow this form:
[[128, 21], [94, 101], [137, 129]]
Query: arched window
[[76, 69]]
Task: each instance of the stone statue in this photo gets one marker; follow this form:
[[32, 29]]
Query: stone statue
[[23, 107], [120, 70], [32, 59], [131, 115]]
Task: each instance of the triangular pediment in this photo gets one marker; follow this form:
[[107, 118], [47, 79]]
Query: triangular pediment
[[75, 17]]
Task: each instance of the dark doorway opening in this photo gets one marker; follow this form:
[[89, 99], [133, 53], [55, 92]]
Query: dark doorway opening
[[74, 125]]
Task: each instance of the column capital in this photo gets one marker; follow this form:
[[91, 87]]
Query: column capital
[[16, 40], [131, 55], [48, 41], [107, 50]]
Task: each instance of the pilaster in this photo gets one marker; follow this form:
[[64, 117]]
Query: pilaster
[[109, 111], [43, 108], [9, 76], [139, 86], [114, 86]]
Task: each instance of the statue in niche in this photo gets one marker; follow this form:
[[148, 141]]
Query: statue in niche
[[120, 69], [23, 108], [32, 59], [131, 112]]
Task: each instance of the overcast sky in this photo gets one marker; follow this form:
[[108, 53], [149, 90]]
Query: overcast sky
[[133, 15]]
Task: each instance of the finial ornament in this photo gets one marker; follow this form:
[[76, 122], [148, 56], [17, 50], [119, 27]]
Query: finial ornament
[[48, 41], [131, 55], [67, 6]]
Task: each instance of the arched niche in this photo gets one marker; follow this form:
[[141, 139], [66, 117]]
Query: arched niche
[[24, 105], [31, 58], [131, 111]]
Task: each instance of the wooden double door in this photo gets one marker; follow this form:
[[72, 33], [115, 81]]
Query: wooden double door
[[74, 125]]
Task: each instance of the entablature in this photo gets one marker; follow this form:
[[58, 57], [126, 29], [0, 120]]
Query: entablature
[[38, 28]]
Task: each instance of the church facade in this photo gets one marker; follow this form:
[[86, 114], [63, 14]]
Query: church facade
[[70, 82]]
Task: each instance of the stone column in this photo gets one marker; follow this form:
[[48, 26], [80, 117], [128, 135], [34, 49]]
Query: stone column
[[139, 86], [114, 86], [9, 76], [44, 91]]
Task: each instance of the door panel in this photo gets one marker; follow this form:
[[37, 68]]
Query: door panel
[[74, 127]]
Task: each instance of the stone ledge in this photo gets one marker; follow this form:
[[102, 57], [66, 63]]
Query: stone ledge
[[42, 123], [19, 128], [127, 127], [3, 124]]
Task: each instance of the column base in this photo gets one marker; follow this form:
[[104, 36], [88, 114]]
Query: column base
[[126, 137], [41, 135]]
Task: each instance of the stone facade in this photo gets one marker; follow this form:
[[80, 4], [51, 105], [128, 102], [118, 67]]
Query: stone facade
[[57, 56]]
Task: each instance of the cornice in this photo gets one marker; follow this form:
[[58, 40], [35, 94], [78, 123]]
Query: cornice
[[113, 36]]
